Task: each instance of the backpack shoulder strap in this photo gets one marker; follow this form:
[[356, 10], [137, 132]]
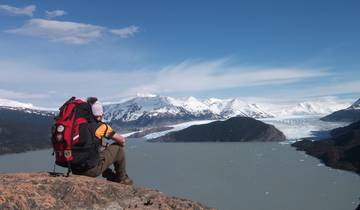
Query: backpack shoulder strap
[[106, 129]]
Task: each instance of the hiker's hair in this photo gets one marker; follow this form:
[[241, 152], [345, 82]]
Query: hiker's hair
[[91, 100]]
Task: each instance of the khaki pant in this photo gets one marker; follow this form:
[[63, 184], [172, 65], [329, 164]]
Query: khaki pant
[[113, 154]]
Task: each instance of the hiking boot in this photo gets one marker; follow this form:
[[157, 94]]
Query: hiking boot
[[126, 181], [109, 174], [113, 177]]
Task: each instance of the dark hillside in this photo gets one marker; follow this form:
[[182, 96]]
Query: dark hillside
[[23, 130]]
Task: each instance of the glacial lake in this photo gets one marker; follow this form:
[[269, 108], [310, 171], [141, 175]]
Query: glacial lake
[[227, 176]]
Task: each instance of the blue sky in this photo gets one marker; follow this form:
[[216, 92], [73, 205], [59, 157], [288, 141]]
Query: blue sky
[[50, 50]]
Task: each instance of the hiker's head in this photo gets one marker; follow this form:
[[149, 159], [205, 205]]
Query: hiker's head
[[97, 110], [91, 100]]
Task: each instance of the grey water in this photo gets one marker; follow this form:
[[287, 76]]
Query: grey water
[[227, 176]]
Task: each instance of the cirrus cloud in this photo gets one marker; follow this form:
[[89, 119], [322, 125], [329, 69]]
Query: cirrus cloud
[[55, 13], [28, 10], [218, 74], [63, 31], [185, 78], [125, 32], [68, 32]]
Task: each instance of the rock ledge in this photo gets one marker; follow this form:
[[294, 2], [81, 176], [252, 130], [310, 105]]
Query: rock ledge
[[40, 191]]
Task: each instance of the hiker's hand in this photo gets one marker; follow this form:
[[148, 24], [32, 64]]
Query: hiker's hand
[[122, 142], [119, 139]]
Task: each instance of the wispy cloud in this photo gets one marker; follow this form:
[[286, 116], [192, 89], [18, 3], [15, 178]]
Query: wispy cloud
[[185, 78], [68, 32], [63, 31], [125, 32], [28, 10], [55, 13], [345, 87], [217, 74]]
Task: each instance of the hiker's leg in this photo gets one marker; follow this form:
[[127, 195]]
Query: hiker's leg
[[115, 154], [120, 163], [93, 172]]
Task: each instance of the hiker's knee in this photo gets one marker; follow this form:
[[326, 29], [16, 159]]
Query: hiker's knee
[[117, 151], [119, 148]]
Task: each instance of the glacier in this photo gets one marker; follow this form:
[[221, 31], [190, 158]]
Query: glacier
[[298, 127], [294, 127]]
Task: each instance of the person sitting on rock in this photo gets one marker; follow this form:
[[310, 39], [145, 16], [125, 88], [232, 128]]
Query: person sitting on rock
[[108, 154]]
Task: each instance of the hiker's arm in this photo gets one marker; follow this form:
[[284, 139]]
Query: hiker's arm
[[106, 131], [118, 138]]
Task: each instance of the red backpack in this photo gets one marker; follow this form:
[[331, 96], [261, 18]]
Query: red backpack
[[65, 132]]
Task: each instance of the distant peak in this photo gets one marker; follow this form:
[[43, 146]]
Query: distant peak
[[11, 103], [356, 104], [215, 99], [192, 98], [146, 95], [20, 105], [237, 101]]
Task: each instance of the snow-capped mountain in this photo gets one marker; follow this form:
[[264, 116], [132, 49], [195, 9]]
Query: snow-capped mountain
[[355, 105], [153, 106], [15, 104], [139, 106], [25, 107], [216, 105], [146, 109], [194, 105], [237, 107], [155, 110], [349, 114], [316, 107]]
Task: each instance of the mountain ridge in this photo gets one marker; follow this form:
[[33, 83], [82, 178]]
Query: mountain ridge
[[160, 104], [143, 111], [349, 114]]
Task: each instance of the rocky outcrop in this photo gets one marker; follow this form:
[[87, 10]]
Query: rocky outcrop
[[341, 151], [236, 129], [40, 191]]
